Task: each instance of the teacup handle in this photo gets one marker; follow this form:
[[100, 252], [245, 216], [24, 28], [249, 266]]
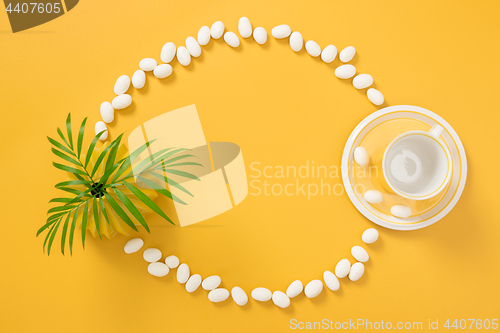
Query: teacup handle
[[436, 131]]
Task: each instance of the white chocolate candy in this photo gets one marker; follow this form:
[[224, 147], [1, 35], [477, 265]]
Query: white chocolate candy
[[375, 96], [204, 35], [193, 47], [313, 288], [99, 127], [162, 71], [370, 236], [217, 30], [359, 254], [244, 27], [294, 289], [345, 71], [347, 54], [218, 295], [260, 35], [331, 281], [183, 273], [313, 48], [239, 296], [122, 84], [211, 282], [401, 211], [193, 283], [151, 255], [296, 41], [281, 299], [158, 269], [133, 245], [329, 53], [147, 64], [357, 271], [281, 31], [342, 269], [167, 53], [261, 294], [183, 56], [107, 112], [139, 79], [121, 102], [362, 81], [361, 156], [231, 39], [172, 261], [373, 196]]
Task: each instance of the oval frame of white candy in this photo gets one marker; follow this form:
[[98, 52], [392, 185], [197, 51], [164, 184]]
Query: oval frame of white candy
[[279, 32]]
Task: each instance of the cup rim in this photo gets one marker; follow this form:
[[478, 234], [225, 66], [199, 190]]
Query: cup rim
[[448, 171]]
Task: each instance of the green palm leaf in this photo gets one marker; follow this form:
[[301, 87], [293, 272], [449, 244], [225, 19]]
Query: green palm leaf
[[65, 157], [91, 148], [80, 137], [73, 182], [64, 231], [103, 209], [60, 209], [160, 190], [69, 169], [171, 182], [72, 231], [50, 233], [181, 173], [100, 158], [68, 129], [59, 145], [49, 246], [146, 200], [45, 226], [96, 217], [121, 213], [84, 222], [62, 136], [131, 208]]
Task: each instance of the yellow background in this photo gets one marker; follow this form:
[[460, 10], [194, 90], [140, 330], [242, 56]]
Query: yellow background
[[282, 108]]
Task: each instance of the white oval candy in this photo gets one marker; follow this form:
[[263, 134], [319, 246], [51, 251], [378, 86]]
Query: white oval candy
[[107, 112], [133, 245], [313, 288], [245, 27], [139, 79], [260, 35], [370, 236], [239, 296], [261, 294], [172, 261], [193, 47], [375, 96], [151, 255], [362, 81], [313, 48], [158, 269], [294, 289], [342, 269], [162, 71], [99, 127], [217, 30], [347, 54], [218, 295], [211, 282], [361, 156], [193, 283], [296, 41], [359, 254], [345, 71], [281, 31], [183, 56], [331, 281], [401, 211], [373, 196], [122, 84], [183, 273], [357, 271], [167, 53], [121, 102], [231, 39], [281, 299], [147, 64], [204, 35], [329, 53]]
